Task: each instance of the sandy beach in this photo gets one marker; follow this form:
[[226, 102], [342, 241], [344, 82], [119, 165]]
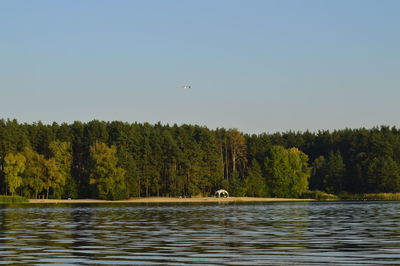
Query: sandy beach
[[168, 200]]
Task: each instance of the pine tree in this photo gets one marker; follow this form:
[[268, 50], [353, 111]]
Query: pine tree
[[255, 182], [334, 173]]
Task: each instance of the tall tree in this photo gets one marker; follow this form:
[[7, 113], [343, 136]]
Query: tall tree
[[14, 166], [318, 173], [107, 178], [383, 175], [61, 152], [34, 172], [237, 145], [334, 173], [287, 172], [52, 178], [277, 170], [299, 172], [255, 182]]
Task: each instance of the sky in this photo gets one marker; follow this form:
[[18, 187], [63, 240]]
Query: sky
[[258, 66]]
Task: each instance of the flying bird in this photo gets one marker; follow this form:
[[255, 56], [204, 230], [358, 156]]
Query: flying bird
[[186, 87]]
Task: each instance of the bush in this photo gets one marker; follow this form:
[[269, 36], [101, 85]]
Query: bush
[[370, 196], [13, 199], [319, 195]]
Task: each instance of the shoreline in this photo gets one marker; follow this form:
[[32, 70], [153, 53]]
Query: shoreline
[[171, 200]]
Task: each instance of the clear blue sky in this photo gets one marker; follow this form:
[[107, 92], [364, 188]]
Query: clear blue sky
[[259, 66]]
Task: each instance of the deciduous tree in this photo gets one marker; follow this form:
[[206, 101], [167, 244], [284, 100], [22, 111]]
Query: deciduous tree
[[107, 178], [14, 166]]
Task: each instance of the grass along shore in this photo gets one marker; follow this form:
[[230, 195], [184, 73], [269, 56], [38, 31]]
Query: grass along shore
[[12, 199], [370, 196], [312, 196], [169, 200]]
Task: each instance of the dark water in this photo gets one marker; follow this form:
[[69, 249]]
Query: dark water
[[234, 234]]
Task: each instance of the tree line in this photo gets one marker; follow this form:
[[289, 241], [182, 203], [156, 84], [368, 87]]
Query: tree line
[[117, 160]]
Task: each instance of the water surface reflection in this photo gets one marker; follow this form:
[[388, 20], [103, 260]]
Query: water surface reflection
[[234, 234]]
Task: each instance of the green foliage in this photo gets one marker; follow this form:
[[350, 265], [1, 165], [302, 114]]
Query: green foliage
[[64, 184], [318, 173], [300, 171], [370, 196], [187, 160], [53, 177], [236, 187], [131, 176], [328, 175], [255, 183], [14, 166], [34, 173], [383, 175], [287, 172], [108, 179], [278, 172], [319, 195], [334, 172], [12, 199], [237, 148]]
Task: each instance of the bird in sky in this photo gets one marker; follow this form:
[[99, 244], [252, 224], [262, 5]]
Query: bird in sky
[[186, 87]]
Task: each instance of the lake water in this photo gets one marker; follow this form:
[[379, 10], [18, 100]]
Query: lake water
[[232, 234]]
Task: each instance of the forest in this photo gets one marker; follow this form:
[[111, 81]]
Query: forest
[[119, 160]]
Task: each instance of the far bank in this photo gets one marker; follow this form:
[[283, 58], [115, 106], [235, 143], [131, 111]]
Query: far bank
[[170, 200]]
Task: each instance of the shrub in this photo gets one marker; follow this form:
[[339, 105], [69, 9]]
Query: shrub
[[370, 196], [319, 195], [13, 199]]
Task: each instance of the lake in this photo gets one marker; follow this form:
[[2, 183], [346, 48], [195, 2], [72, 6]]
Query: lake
[[233, 234]]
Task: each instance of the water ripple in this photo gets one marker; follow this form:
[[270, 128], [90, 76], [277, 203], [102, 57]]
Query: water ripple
[[209, 234]]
